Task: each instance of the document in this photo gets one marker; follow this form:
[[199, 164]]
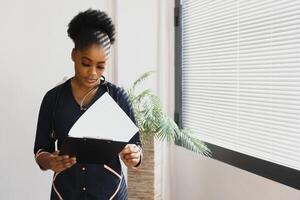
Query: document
[[104, 120], [100, 133]]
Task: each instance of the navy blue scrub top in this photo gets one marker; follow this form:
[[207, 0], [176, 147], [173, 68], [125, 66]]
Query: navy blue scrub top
[[59, 111]]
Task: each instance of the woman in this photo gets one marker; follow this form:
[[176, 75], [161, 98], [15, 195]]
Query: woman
[[93, 34]]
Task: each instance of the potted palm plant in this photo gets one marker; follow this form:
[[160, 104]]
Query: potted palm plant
[[155, 124]]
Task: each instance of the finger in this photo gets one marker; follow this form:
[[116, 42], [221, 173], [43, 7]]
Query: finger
[[132, 156], [135, 154], [73, 159], [58, 160], [61, 167], [131, 162], [62, 158], [56, 153], [131, 148], [134, 148], [66, 159], [136, 160], [68, 165], [57, 167], [69, 161], [125, 150]]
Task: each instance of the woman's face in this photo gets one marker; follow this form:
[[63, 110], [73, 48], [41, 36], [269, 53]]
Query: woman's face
[[90, 64]]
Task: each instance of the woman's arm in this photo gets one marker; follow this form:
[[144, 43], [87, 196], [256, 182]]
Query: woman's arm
[[44, 146]]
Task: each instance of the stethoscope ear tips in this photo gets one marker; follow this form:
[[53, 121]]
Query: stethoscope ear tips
[[102, 80]]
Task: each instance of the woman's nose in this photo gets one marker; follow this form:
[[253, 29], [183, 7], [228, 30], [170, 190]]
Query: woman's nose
[[92, 70]]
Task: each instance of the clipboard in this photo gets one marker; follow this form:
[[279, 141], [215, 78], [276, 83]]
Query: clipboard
[[85, 139], [91, 150]]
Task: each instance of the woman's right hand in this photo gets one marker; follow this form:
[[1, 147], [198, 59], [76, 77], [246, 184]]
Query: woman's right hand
[[55, 162]]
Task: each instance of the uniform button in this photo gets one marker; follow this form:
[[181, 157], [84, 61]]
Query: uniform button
[[83, 169], [84, 189]]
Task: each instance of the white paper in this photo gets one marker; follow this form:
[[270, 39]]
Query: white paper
[[104, 120]]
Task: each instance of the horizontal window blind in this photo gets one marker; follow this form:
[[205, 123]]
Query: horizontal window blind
[[241, 76]]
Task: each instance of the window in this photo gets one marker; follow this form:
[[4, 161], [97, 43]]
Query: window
[[238, 80]]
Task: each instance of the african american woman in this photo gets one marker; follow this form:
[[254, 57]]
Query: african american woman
[[93, 33]]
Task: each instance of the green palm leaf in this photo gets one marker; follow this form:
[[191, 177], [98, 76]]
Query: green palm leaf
[[141, 79], [153, 122]]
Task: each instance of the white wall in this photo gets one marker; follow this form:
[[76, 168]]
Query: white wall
[[136, 22], [210, 179], [34, 56]]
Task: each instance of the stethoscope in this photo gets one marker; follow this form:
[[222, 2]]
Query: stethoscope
[[103, 82]]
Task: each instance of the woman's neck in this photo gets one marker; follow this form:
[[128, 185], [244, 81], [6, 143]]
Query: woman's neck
[[83, 95]]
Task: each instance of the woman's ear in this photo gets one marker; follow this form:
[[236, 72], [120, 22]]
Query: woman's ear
[[73, 54]]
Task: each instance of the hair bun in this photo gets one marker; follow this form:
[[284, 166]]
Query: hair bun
[[94, 20]]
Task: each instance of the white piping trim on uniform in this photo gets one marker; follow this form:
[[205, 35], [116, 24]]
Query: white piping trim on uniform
[[53, 185], [118, 175], [116, 190], [113, 171]]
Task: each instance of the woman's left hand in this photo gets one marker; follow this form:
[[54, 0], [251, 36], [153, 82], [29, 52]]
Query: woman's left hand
[[131, 155]]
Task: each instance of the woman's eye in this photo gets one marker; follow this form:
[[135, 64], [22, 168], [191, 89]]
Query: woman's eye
[[100, 67], [85, 64]]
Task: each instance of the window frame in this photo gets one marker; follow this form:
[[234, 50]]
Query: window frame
[[279, 173]]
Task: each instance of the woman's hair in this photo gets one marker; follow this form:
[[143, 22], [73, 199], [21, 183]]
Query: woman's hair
[[91, 27]]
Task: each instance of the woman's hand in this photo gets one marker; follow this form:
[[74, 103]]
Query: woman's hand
[[131, 155], [55, 162]]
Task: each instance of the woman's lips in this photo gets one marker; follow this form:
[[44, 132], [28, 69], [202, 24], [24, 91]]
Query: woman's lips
[[90, 81]]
